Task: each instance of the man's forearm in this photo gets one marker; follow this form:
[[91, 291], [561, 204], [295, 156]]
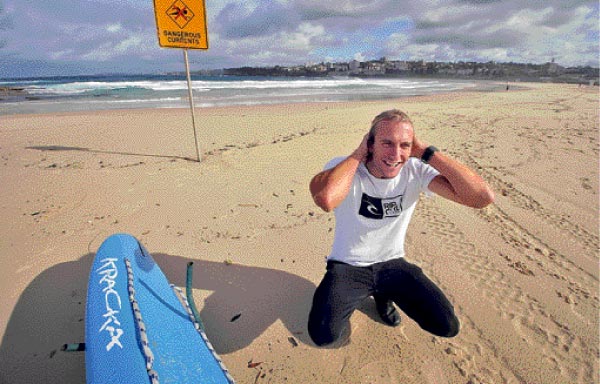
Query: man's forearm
[[467, 187]]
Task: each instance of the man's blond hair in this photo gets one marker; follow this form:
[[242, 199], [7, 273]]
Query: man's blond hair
[[391, 115]]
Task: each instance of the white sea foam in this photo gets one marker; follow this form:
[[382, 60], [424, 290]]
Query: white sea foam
[[75, 88], [156, 91]]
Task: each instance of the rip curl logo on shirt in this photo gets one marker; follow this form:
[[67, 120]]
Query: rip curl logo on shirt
[[377, 208]]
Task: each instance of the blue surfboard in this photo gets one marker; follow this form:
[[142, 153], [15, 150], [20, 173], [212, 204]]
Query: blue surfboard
[[139, 328]]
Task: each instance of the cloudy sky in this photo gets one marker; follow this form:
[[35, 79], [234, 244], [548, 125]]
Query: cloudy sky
[[65, 37]]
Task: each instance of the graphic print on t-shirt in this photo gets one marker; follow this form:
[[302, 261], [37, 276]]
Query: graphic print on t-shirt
[[377, 208]]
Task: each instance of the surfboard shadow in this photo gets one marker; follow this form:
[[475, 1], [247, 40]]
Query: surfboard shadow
[[238, 304], [49, 313]]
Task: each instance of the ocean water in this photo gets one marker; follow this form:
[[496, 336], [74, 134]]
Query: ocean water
[[85, 93]]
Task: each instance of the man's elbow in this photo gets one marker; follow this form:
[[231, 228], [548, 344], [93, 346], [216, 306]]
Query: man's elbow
[[324, 202], [484, 198]]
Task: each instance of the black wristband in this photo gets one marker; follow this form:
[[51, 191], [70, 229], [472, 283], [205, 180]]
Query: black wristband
[[429, 151]]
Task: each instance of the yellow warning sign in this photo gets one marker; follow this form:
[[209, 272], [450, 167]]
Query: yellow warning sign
[[181, 23]]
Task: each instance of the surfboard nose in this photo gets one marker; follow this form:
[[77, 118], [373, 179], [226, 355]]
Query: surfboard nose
[[124, 242]]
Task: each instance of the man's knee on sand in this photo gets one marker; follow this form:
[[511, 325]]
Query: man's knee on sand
[[323, 335], [323, 340], [447, 329], [331, 341]]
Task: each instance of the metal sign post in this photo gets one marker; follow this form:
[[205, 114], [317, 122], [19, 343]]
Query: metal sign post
[[191, 97], [182, 24]]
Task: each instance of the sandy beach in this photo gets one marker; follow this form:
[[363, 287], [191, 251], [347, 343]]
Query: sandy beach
[[521, 273]]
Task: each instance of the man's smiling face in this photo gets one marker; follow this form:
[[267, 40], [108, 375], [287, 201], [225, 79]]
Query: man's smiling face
[[390, 149]]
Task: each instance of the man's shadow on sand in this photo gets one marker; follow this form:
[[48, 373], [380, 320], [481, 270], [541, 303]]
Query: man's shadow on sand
[[238, 304]]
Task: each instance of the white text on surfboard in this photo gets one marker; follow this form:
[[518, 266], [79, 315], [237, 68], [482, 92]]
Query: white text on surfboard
[[112, 325]]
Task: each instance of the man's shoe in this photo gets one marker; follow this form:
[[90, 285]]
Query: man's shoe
[[388, 312]]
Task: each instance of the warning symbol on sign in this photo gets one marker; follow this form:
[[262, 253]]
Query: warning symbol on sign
[[180, 13]]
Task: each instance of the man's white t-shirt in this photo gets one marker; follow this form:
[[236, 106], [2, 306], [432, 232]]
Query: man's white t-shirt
[[372, 221]]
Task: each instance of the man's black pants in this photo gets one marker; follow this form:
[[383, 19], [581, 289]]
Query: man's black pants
[[345, 286]]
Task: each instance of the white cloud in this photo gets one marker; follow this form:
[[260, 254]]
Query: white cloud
[[132, 42], [359, 57], [101, 53], [114, 27], [285, 47], [302, 39], [58, 55], [317, 9], [131, 45], [397, 42]]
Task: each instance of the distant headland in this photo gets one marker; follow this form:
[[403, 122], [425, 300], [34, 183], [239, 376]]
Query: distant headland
[[548, 72]]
